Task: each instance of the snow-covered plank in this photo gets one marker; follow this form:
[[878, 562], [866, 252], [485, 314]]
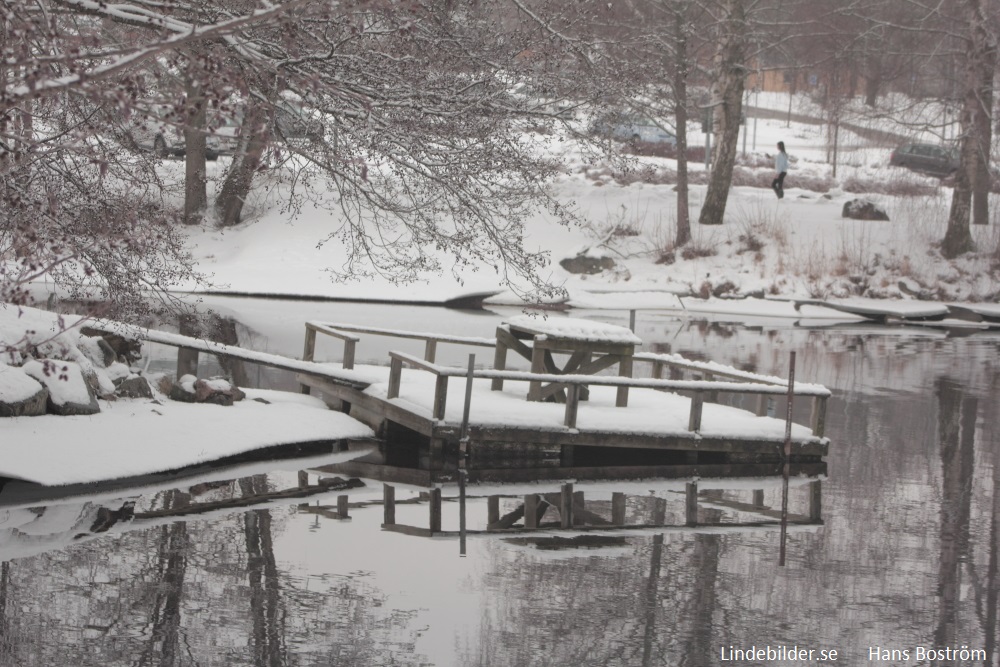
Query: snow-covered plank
[[576, 329]]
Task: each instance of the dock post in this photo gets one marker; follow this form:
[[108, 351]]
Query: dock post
[[817, 420], [566, 506], [691, 503], [572, 405], [816, 500], [618, 508], [463, 453], [531, 510], [395, 373], [303, 479], [631, 320], [435, 510], [308, 352], [694, 418], [492, 510], [350, 345], [578, 505], [758, 498], [389, 502], [342, 512], [430, 351]]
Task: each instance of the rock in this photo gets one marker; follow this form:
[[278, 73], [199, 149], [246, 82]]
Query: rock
[[135, 386], [218, 391], [97, 351], [20, 394], [129, 350], [69, 391], [863, 209], [587, 265]]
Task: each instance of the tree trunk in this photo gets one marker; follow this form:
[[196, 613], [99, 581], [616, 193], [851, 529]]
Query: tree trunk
[[984, 139], [958, 238], [195, 192], [254, 135], [680, 95], [730, 74]]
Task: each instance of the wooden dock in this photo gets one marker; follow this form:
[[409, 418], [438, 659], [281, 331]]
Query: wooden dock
[[661, 411], [675, 411]]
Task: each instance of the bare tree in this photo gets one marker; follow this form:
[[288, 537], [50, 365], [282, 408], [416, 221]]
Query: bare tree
[[730, 70]]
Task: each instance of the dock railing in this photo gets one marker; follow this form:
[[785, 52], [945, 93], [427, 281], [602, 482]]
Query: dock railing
[[700, 390]]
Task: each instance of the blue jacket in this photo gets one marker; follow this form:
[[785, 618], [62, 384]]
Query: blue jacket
[[781, 162]]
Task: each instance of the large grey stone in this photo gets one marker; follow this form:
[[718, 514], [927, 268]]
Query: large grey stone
[[863, 209], [587, 265], [20, 394], [134, 387], [69, 391]]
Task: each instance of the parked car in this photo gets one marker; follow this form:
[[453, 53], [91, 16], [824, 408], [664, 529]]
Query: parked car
[[926, 158], [161, 130], [633, 128]]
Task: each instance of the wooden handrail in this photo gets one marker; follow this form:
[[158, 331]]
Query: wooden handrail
[[701, 389]]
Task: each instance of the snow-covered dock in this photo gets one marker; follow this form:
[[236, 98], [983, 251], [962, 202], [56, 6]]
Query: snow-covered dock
[[671, 414]]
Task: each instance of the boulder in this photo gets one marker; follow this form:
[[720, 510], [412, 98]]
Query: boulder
[[863, 209], [20, 394], [69, 391], [123, 348], [587, 265], [135, 386], [218, 391]]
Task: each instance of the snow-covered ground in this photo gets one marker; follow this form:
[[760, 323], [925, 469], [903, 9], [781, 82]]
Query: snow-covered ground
[[798, 247]]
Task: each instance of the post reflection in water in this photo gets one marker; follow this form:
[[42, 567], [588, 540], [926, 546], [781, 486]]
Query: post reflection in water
[[243, 572]]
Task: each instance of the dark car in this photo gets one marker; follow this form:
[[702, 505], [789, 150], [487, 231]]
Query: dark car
[[926, 158]]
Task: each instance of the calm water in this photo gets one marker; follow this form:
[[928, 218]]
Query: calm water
[[906, 558]]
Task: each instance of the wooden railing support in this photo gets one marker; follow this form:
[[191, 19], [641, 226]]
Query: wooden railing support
[[566, 506], [817, 419], [694, 419], [308, 352], [572, 405], [395, 373], [389, 505], [435, 511], [440, 396], [618, 508], [430, 350]]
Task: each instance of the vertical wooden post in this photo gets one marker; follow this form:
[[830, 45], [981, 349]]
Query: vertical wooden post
[[578, 505], [761, 408], [691, 503], [430, 350], [758, 498], [657, 370], [395, 376], [463, 452], [492, 510], [694, 418], [531, 510], [537, 366], [350, 345], [499, 360], [303, 479], [389, 505], [566, 506], [572, 405], [342, 512], [435, 510], [440, 396], [624, 370], [308, 352], [817, 420], [816, 500], [631, 320], [618, 508]]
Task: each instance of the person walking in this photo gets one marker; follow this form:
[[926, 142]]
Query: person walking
[[780, 166]]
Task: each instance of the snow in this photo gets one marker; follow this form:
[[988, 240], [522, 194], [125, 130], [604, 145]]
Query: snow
[[63, 379], [574, 329], [16, 385], [139, 436]]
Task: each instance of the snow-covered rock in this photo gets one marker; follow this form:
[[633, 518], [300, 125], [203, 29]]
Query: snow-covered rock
[[863, 209], [69, 391], [20, 394]]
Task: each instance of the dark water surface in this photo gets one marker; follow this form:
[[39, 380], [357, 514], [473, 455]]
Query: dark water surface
[[906, 558]]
